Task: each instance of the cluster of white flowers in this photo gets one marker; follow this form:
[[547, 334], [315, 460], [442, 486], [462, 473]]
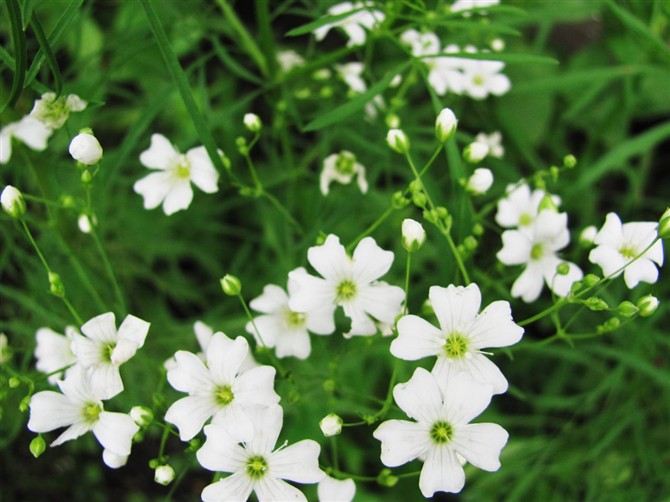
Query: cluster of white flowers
[[91, 363], [342, 167], [34, 130], [363, 17]]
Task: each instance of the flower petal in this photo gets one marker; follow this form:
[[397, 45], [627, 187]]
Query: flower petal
[[465, 397], [115, 432], [225, 356], [641, 270], [256, 386], [329, 259], [105, 380], [112, 460], [478, 366], [270, 329], [456, 307], [203, 173], [134, 329], [190, 413], [267, 424], [336, 490], [221, 452], [402, 441], [236, 487], [441, 472], [529, 284], [160, 155], [381, 301], [190, 374], [101, 328], [608, 259], [73, 432], [51, 410], [154, 188], [298, 462], [416, 339], [516, 248], [312, 293], [179, 197], [274, 299], [494, 327], [420, 397], [270, 489], [480, 444], [370, 262]]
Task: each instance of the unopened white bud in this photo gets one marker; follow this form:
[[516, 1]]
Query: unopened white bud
[[252, 122], [647, 305], [331, 425], [413, 235], [497, 44], [398, 140], [480, 181], [164, 474], [12, 202], [86, 149], [588, 235], [475, 152], [141, 415], [445, 125]]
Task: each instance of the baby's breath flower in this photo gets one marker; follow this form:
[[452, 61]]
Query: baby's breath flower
[[30, 131], [164, 474], [53, 111], [252, 122], [413, 235], [342, 167], [480, 181], [445, 125], [331, 425], [493, 141], [12, 202], [363, 17], [86, 149], [54, 352], [397, 140]]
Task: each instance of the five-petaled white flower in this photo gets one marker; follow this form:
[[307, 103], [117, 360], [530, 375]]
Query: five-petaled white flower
[[54, 111], [350, 282], [442, 435], [219, 389], [282, 328], [171, 185], [520, 206], [80, 409], [536, 249], [462, 334], [255, 467], [483, 77], [30, 131], [619, 243], [103, 349], [53, 352], [342, 167], [363, 17]]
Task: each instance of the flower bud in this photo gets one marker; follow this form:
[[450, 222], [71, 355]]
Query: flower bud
[[392, 121], [231, 285], [164, 474], [563, 268], [664, 225], [12, 202], [475, 152], [627, 309], [331, 425], [547, 204], [480, 181], [497, 44], [37, 446], [86, 149], [570, 161], [5, 349], [56, 286], [590, 280], [647, 305], [141, 415], [413, 235], [445, 125], [385, 478], [594, 303], [587, 236], [86, 223], [399, 201], [397, 140], [252, 122]]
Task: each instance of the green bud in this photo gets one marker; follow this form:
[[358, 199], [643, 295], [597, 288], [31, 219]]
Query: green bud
[[241, 144], [14, 382], [194, 445], [392, 121], [67, 201], [231, 285], [24, 404], [590, 280], [86, 177], [329, 386], [326, 91], [570, 161], [563, 269], [547, 204], [477, 230], [225, 160], [154, 462], [664, 225], [385, 478], [594, 303], [56, 286], [419, 199], [647, 305], [609, 325], [37, 446], [554, 173], [252, 122], [576, 286], [470, 243], [627, 309], [399, 201], [294, 396]]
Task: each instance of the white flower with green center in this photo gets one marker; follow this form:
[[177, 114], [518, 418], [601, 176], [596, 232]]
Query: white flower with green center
[[80, 409], [617, 244], [483, 77], [350, 282], [363, 17], [536, 249], [103, 349], [520, 206], [30, 131], [54, 111], [342, 167], [463, 332], [171, 185], [441, 434], [53, 352], [255, 467], [282, 328], [218, 389]]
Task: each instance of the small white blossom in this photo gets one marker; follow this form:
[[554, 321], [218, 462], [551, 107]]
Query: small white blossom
[[480, 181], [493, 141], [617, 244], [342, 167], [103, 349], [80, 409], [171, 185], [497, 44], [252, 122], [30, 131], [141, 415], [12, 202], [351, 73], [465, 5], [413, 235], [164, 474], [336, 490], [475, 152], [331, 425], [53, 111], [53, 351], [218, 389], [255, 467], [520, 206], [350, 282], [445, 73], [86, 223], [463, 332], [289, 59], [421, 44], [483, 77], [355, 25], [86, 149], [441, 434]]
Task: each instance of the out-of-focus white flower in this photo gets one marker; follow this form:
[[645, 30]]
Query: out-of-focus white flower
[[342, 167], [588, 235], [5, 350], [289, 59], [252, 122], [493, 141], [475, 152], [355, 25], [53, 111], [336, 490], [445, 73], [164, 474], [53, 352], [462, 335], [12, 202], [331, 425], [497, 44], [171, 185], [480, 181], [617, 244], [413, 235], [86, 224], [86, 149], [445, 125], [30, 131], [482, 77], [421, 44], [520, 206], [351, 74], [442, 435]]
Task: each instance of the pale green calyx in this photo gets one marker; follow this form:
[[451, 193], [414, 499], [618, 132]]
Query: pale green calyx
[[12, 202]]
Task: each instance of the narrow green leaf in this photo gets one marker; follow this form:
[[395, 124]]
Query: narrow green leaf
[[636, 26], [245, 40], [350, 107], [633, 361], [179, 77], [45, 47], [233, 65], [26, 13], [576, 78], [493, 28], [505, 58], [318, 23], [20, 55]]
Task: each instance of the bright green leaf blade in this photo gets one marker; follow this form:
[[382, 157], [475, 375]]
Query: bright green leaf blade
[[20, 56], [49, 55], [639, 28]]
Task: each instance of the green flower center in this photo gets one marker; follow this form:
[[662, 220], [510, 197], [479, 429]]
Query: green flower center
[[91, 412], [456, 346], [628, 252], [107, 351], [256, 467], [224, 395], [525, 220], [478, 80], [345, 163], [536, 251], [183, 168], [441, 432], [295, 319], [346, 290]]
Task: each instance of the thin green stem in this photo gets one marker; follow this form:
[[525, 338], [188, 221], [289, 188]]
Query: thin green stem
[[407, 268], [72, 310], [109, 269], [370, 229], [35, 246]]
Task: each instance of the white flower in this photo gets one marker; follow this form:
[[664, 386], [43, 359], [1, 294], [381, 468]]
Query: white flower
[[421, 44], [465, 5], [218, 389], [618, 244], [253, 464], [350, 282], [445, 73], [354, 25], [164, 474], [483, 77], [587, 236], [493, 141], [53, 111], [441, 434], [413, 235], [86, 149], [475, 152], [397, 140], [445, 125], [336, 490], [103, 349], [536, 249], [53, 351], [289, 59], [351, 74], [520, 207], [171, 186], [80, 409], [30, 131], [12, 202], [462, 334], [480, 181], [342, 167], [252, 122], [284, 329], [331, 425]]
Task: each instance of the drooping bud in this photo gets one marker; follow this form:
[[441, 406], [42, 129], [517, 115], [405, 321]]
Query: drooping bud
[[413, 235], [37, 446], [445, 125], [12, 202], [397, 140], [86, 149]]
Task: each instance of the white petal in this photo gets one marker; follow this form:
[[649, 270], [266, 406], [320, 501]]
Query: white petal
[[134, 329], [417, 339], [329, 259], [235, 420], [336, 490], [190, 374], [270, 489], [499, 84], [298, 462], [101, 328], [561, 284], [179, 197], [420, 397], [225, 356], [641, 270], [220, 452], [88, 352], [402, 441], [270, 327], [267, 424], [256, 386], [105, 380], [456, 307], [607, 258], [203, 334], [273, 300], [154, 188], [529, 284], [6, 134], [51, 410], [361, 324], [160, 155], [441, 472], [480, 444], [190, 413], [115, 432], [33, 133], [516, 248], [494, 327], [294, 343], [322, 320], [382, 301], [465, 397], [203, 173], [52, 352], [73, 432], [237, 487], [370, 262], [356, 34], [477, 366], [313, 293], [611, 233], [113, 460]]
